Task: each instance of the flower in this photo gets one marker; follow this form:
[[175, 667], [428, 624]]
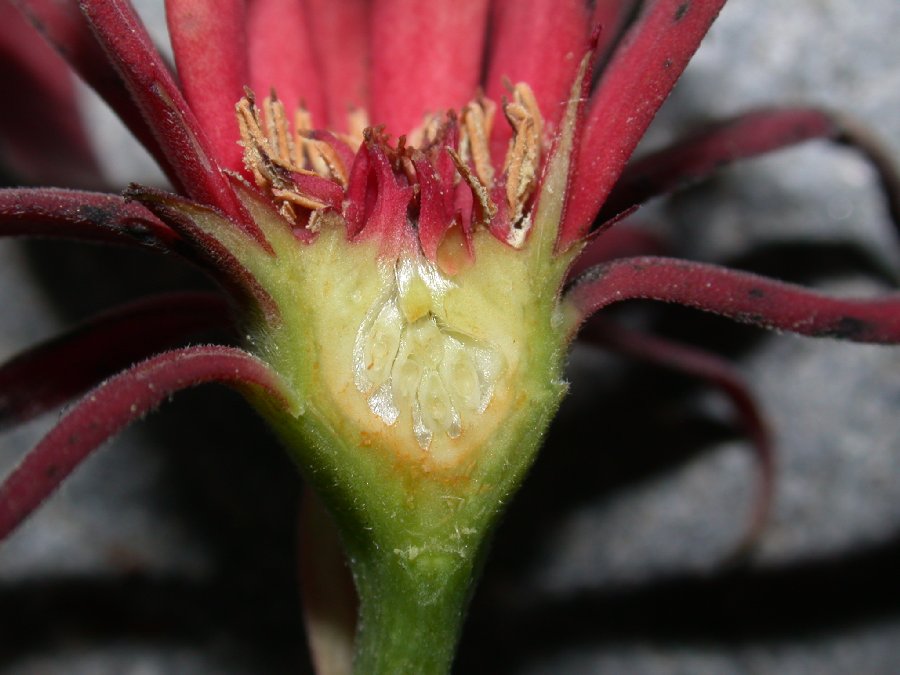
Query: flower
[[409, 274]]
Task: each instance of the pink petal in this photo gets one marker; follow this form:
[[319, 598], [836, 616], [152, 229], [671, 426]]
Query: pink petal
[[744, 297], [211, 56], [339, 32], [52, 373], [115, 404], [639, 78], [86, 216], [539, 42], [426, 58], [281, 55]]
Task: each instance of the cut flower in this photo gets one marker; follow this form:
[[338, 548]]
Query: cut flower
[[408, 251]]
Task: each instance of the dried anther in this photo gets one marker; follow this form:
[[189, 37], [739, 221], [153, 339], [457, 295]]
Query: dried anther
[[291, 167], [477, 121], [485, 209], [310, 170], [523, 157]]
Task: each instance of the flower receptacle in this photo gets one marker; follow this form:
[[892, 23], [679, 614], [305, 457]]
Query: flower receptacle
[[425, 398]]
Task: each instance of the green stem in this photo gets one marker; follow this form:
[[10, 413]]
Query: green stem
[[411, 612]]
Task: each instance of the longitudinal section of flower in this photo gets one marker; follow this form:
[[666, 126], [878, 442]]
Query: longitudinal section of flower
[[424, 347]]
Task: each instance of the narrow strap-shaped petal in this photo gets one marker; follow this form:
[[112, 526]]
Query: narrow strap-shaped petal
[[611, 17], [210, 47], [115, 404], [41, 137], [209, 240], [857, 136], [281, 55], [741, 296], [717, 372], [426, 58], [539, 42], [86, 216], [633, 87], [181, 137], [62, 25], [52, 373], [748, 135], [339, 33], [624, 241]]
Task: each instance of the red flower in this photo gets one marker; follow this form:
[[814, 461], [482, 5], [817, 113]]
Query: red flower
[[407, 245]]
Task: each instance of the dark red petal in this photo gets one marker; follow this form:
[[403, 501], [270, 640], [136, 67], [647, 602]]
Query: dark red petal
[[210, 48], [436, 210], [742, 296], [281, 55], [611, 16], [339, 32], [361, 192], [633, 87], [699, 155], [118, 402], [54, 372], [41, 136], [426, 58], [858, 137], [205, 232], [86, 216], [181, 137], [322, 189], [64, 27], [376, 201], [539, 42], [717, 372], [623, 241]]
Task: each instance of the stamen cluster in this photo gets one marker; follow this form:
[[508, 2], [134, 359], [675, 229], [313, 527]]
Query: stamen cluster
[[440, 181]]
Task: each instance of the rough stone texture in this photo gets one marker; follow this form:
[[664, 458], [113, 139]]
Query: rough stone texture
[[170, 551]]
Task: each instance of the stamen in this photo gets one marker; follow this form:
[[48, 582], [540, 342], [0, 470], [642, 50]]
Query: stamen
[[477, 121], [427, 132], [277, 125], [318, 155], [302, 169], [522, 159], [486, 207], [357, 123], [273, 156]]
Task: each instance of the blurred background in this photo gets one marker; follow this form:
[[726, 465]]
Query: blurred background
[[173, 549]]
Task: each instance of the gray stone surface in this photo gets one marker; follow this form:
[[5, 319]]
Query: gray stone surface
[[614, 580]]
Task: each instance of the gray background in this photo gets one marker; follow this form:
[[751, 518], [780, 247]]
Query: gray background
[[614, 559]]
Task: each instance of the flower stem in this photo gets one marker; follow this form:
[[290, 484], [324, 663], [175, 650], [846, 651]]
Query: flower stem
[[411, 611]]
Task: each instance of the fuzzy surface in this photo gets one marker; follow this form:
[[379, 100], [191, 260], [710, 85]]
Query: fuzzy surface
[[172, 550]]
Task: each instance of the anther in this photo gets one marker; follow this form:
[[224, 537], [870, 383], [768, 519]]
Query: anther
[[486, 207], [523, 158], [477, 121]]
